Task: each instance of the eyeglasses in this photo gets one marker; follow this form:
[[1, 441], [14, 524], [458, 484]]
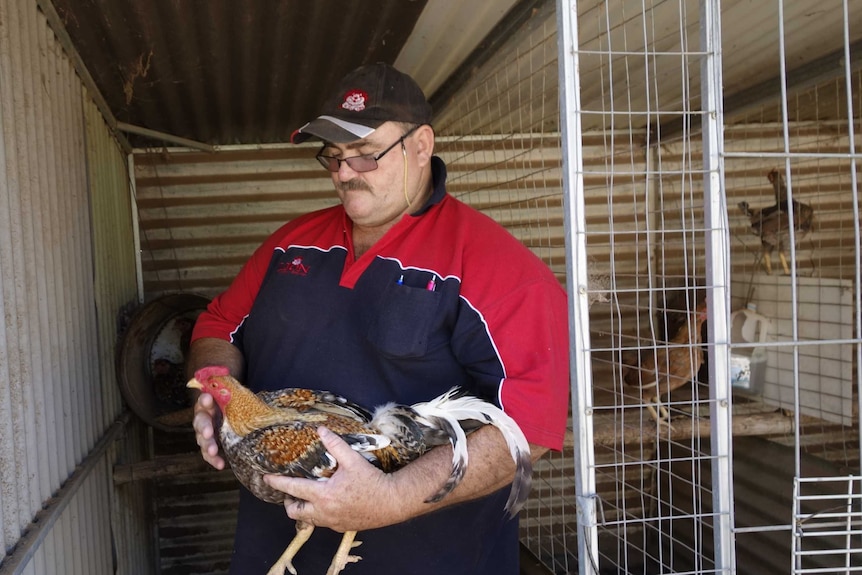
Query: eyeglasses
[[365, 163]]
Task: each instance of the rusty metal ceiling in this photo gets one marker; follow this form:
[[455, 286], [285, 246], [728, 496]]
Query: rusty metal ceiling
[[227, 72]]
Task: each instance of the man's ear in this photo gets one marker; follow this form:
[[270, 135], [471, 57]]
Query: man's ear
[[423, 138]]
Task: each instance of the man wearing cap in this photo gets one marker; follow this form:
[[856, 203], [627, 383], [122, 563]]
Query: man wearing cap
[[398, 294]]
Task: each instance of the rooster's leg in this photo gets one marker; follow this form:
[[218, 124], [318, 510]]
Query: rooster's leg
[[342, 556], [662, 415], [784, 262], [303, 532], [767, 262]]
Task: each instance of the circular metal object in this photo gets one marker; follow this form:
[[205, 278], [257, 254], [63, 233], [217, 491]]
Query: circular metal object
[[151, 360]]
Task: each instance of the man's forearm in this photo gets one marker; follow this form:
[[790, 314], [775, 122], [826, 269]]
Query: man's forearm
[[213, 351], [490, 467]]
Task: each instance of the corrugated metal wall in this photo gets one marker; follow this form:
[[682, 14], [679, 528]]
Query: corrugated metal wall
[[128, 508], [64, 273], [202, 215]]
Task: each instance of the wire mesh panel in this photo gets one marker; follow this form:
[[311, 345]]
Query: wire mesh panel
[[660, 423], [500, 138], [720, 277], [792, 164], [827, 525]]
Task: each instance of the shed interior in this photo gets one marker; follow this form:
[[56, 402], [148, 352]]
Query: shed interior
[[203, 96]]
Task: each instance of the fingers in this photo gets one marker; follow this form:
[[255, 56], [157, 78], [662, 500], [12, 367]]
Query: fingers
[[337, 447], [296, 490], [297, 509], [205, 432], [331, 503], [308, 489], [287, 485], [303, 511]]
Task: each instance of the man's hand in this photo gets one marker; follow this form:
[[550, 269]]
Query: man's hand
[[203, 352], [205, 409], [357, 497]]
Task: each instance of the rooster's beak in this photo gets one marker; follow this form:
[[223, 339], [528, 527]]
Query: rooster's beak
[[194, 384]]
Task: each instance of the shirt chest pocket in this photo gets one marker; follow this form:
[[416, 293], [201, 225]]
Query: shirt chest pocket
[[404, 322]]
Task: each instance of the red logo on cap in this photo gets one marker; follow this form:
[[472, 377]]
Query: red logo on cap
[[355, 100]]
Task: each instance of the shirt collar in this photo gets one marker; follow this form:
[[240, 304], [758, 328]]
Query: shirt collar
[[438, 179]]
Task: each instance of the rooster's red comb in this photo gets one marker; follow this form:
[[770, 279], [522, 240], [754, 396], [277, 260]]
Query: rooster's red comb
[[205, 373]]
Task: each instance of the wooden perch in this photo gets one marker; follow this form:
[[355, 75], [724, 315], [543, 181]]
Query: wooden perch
[[181, 418], [607, 430], [168, 465]]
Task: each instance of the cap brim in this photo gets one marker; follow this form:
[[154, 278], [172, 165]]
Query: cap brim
[[332, 129]]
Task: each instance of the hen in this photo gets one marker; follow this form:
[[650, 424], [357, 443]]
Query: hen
[[772, 224], [660, 371], [275, 432]]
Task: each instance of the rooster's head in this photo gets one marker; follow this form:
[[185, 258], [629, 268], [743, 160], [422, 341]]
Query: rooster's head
[[216, 381]]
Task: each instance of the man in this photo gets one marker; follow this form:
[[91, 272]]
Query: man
[[398, 294]]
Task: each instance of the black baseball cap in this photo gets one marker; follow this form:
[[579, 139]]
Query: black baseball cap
[[364, 99]]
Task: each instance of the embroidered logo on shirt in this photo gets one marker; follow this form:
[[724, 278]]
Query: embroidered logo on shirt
[[295, 267], [355, 101]]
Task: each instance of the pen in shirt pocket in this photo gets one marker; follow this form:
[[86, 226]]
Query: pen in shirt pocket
[[431, 284]]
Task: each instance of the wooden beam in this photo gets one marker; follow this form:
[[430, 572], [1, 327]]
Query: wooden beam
[[609, 431], [165, 466], [170, 138]]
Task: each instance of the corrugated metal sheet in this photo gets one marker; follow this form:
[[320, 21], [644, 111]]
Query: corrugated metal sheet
[[125, 510], [445, 34], [57, 397], [202, 215], [229, 72], [113, 248], [47, 273]]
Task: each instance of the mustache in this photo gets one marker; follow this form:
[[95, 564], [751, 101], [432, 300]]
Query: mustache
[[351, 185]]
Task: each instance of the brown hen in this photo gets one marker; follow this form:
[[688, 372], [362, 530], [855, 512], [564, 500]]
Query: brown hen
[[772, 224], [656, 372], [275, 432]]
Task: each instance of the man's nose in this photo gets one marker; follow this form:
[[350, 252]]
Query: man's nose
[[345, 172]]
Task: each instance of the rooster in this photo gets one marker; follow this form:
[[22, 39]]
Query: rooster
[[275, 432], [660, 371], [772, 224]]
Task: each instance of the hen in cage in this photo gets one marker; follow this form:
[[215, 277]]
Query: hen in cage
[[772, 224], [659, 371]]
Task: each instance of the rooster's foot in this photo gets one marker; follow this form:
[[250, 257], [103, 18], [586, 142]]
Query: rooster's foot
[[660, 415], [342, 556], [303, 532]]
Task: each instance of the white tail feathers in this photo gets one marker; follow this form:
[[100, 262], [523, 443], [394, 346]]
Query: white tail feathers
[[447, 411]]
